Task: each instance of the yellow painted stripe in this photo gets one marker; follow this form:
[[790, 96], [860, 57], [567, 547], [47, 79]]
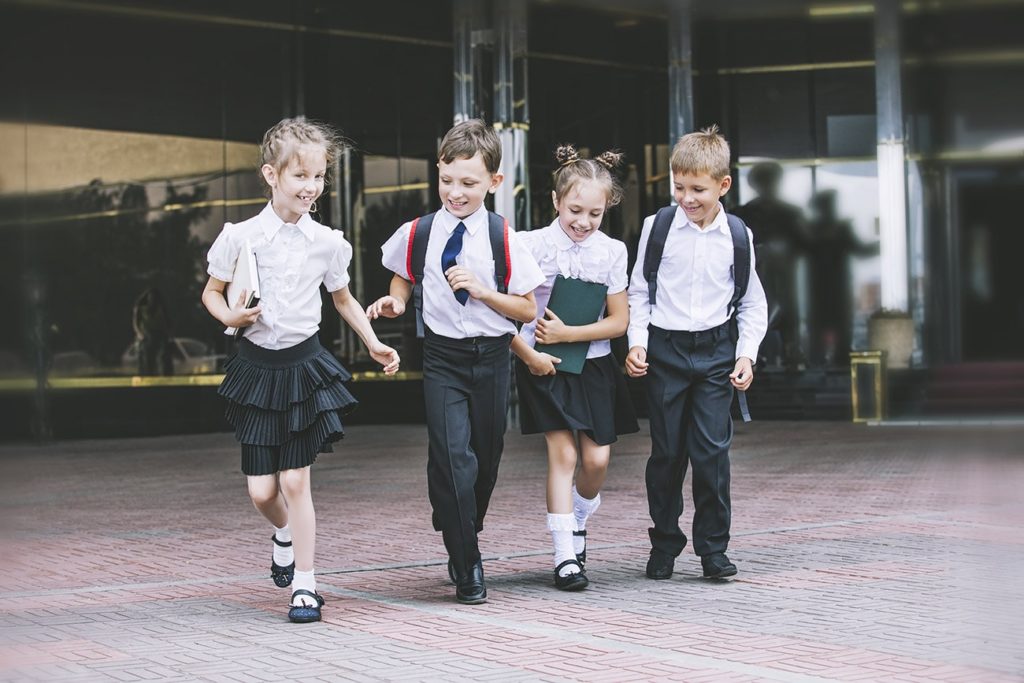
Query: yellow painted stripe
[[63, 383]]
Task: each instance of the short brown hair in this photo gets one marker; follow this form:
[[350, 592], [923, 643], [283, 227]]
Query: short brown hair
[[703, 151], [465, 139]]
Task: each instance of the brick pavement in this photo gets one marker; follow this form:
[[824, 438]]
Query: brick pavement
[[865, 554]]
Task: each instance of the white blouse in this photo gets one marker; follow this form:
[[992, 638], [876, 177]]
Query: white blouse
[[292, 260], [599, 258], [441, 311]]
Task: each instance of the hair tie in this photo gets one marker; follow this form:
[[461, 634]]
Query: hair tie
[[571, 159]]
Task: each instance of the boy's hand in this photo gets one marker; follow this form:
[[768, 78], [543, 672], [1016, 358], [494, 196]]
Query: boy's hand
[[636, 362], [541, 364], [551, 329], [386, 356], [386, 306], [463, 278], [743, 374]]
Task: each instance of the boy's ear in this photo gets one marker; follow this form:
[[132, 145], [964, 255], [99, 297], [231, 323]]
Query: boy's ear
[[269, 174], [554, 200], [726, 184], [496, 179]]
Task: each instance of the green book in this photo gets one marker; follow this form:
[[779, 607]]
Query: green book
[[577, 303]]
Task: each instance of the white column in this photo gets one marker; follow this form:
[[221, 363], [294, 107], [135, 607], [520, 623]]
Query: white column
[[892, 224]]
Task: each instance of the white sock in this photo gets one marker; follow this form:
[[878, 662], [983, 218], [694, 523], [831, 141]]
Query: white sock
[[307, 581], [286, 555], [561, 527], [582, 508]]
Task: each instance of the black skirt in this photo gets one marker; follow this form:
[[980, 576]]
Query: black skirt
[[285, 405], [595, 402]]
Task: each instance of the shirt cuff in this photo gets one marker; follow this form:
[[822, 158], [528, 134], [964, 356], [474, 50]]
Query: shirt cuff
[[637, 337], [222, 275], [747, 350]]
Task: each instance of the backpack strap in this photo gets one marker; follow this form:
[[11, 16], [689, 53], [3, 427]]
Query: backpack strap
[[497, 227], [416, 257], [656, 247], [740, 261], [741, 278]]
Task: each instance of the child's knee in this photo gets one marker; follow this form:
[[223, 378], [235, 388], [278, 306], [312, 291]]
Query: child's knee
[[294, 482]]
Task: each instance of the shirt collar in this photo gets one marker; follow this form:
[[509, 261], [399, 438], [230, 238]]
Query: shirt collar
[[472, 222], [272, 223], [563, 242], [720, 222]]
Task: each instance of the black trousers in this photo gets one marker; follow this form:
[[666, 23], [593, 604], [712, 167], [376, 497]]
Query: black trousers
[[466, 386], [689, 397]]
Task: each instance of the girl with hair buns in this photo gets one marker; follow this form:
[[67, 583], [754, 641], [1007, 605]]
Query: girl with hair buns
[[285, 392], [592, 408]]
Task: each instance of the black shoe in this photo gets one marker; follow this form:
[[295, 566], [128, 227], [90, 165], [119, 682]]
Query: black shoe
[[575, 581], [302, 614], [451, 573], [282, 576], [717, 566], [470, 590], [582, 557], [660, 565]]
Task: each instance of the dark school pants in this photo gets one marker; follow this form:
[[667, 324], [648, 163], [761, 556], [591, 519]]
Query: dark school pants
[[689, 397], [466, 387]]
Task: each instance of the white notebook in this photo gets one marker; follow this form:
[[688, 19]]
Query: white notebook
[[245, 278]]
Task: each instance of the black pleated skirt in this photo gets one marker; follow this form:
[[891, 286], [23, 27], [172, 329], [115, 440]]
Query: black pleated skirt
[[285, 405], [595, 402]]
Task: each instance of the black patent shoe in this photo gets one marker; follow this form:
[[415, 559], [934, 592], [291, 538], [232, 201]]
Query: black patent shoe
[[582, 556], [470, 589], [282, 576], [451, 573], [303, 614], [576, 581], [660, 565], [717, 566]]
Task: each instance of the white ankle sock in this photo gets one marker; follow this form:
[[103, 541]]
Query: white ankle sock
[[561, 527], [283, 556], [582, 508], [307, 581]]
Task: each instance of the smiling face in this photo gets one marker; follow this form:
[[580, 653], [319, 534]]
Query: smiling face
[[463, 184], [298, 184], [698, 195], [581, 209]]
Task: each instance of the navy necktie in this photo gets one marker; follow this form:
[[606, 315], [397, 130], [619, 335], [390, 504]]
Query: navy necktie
[[451, 250]]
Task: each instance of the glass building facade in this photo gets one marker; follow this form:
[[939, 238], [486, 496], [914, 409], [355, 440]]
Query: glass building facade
[[130, 133]]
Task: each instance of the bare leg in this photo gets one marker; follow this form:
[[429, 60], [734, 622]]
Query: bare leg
[[561, 467], [266, 497], [593, 468], [301, 515]]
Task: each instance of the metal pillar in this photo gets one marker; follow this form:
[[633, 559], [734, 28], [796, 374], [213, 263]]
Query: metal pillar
[[469, 39], [680, 70], [892, 184], [511, 114]]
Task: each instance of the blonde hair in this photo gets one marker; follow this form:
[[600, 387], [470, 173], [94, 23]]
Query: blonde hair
[[572, 170], [703, 151], [281, 143], [465, 139]]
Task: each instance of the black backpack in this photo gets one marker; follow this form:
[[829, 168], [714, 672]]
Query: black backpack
[[740, 268], [416, 256]]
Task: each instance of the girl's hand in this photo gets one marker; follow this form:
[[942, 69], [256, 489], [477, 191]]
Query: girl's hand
[[242, 317], [386, 306], [541, 364], [386, 356], [551, 329], [463, 278], [636, 362]]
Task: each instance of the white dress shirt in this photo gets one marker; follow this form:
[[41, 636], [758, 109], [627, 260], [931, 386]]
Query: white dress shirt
[[442, 312], [599, 258], [695, 285], [292, 260]]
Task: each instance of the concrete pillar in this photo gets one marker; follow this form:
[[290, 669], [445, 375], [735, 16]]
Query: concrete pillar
[[680, 70], [892, 184], [511, 113]]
